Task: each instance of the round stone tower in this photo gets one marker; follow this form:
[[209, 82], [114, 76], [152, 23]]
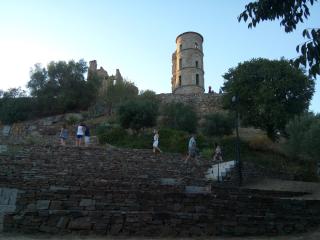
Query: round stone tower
[[187, 64]]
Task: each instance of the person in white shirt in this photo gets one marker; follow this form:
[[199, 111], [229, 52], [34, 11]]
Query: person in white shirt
[[80, 133], [155, 144]]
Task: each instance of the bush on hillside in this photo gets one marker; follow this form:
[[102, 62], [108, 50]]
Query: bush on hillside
[[260, 143], [112, 135], [218, 124], [137, 114], [16, 109], [311, 141], [179, 116], [302, 135]]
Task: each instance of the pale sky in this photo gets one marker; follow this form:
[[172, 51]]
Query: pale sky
[[138, 37]]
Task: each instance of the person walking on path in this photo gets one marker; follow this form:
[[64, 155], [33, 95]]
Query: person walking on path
[[86, 136], [63, 135], [155, 144], [192, 148], [80, 133], [217, 153]]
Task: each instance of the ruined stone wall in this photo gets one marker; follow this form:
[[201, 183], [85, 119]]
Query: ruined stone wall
[[203, 104], [132, 192]]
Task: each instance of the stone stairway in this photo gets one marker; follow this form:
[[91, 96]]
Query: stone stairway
[[219, 171], [133, 192]]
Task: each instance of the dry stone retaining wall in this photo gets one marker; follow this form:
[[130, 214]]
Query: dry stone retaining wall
[[203, 103]]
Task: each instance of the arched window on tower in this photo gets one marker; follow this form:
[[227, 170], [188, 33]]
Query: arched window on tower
[[180, 63], [197, 64], [179, 83], [197, 79], [196, 45], [180, 47]]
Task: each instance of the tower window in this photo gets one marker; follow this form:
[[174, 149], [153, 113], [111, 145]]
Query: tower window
[[197, 79], [180, 47], [196, 45], [179, 81], [197, 64], [180, 63]]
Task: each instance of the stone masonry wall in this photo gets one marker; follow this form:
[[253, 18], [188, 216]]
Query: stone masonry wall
[[133, 192], [203, 104]]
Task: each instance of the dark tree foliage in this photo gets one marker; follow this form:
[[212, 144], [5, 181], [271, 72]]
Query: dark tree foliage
[[269, 93], [15, 106], [218, 124], [179, 116], [290, 13], [119, 93], [138, 113], [303, 135], [61, 87]]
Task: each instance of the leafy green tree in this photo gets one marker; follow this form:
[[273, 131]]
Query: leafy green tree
[[290, 13], [218, 124], [296, 130], [38, 80], [269, 93], [14, 93], [15, 106], [62, 87], [179, 116], [311, 140], [138, 113], [119, 93], [303, 136]]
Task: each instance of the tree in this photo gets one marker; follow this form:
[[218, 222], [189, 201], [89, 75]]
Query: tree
[[179, 116], [296, 129], [269, 93], [137, 114], [119, 93], [61, 87], [290, 12], [218, 124], [303, 135], [15, 106]]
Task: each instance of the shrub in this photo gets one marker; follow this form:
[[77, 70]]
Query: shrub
[[302, 132], [138, 114], [218, 124], [311, 141], [16, 109], [260, 143], [179, 116], [72, 119], [108, 134], [172, 140], [207, 153]]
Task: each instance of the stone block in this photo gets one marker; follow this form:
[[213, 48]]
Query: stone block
[[58, 188], [6, 130], [169, 181], [82, 223], [32, 207], [198, 189], [63, 222], [3, 148], [43, 204], [87, 202], [8, 196]]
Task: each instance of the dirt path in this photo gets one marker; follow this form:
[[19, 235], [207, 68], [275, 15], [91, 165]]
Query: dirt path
[[312, 188]]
